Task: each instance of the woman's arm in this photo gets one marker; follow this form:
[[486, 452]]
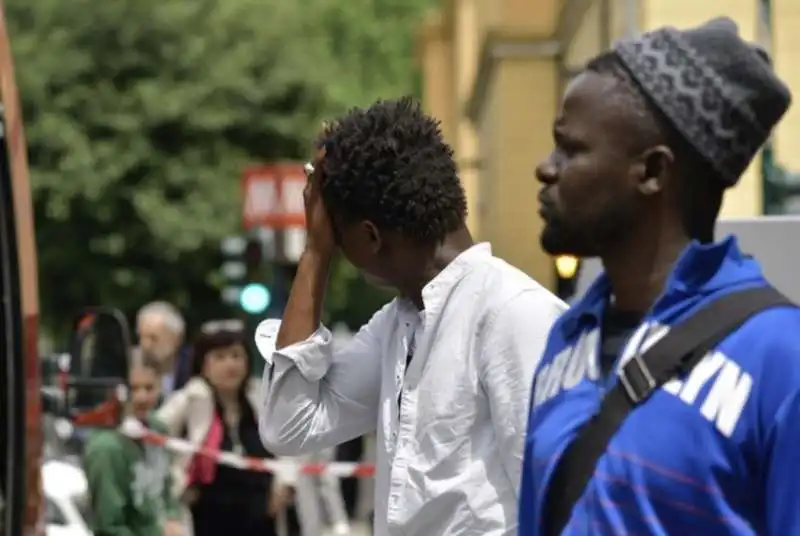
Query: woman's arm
[[174, 412]]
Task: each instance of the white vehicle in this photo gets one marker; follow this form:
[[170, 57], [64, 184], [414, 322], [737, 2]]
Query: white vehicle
[[66, 494]]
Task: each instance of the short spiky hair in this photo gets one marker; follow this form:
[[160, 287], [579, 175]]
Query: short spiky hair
[[389, 164]]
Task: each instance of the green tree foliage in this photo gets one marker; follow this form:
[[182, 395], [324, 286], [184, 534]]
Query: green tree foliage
[[140, 115]]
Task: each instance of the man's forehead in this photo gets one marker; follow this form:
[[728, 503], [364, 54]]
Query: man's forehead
[[591, 100], [152, 320], [588, 90]]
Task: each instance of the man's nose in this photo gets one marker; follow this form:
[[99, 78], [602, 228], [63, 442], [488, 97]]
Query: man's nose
[[546, 171]]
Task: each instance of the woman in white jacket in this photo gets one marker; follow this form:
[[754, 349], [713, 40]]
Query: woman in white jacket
[[216, 410], [192, 410]]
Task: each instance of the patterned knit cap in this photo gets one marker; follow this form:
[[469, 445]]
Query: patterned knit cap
[[720, 92]]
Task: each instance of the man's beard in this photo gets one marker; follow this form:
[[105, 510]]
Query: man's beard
[[157, 356], [560, 237]]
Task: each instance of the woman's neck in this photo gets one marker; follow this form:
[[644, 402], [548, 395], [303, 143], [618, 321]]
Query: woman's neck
[[229, 401]]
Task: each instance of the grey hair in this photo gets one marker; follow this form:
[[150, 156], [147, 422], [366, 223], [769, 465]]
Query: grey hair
[[137, 357], [170, 315]]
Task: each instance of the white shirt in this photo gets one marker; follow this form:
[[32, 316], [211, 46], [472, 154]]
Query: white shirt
[[449, 460]]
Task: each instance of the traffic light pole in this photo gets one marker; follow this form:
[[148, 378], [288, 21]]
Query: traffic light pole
[[282, 276], [233, 269]]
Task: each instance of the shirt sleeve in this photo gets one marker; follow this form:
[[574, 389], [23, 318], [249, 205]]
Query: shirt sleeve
[[315, 397], [516, 335], [172, 413], [782, 499]]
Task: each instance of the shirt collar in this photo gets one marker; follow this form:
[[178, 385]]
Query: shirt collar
[[435, 291]]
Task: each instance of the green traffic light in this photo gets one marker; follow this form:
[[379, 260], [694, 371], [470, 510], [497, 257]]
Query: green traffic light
[[255, 298]]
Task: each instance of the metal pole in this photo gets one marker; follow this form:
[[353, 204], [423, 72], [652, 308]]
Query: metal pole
[[606, 32], [764, 38], [764, 30], [632, 17]]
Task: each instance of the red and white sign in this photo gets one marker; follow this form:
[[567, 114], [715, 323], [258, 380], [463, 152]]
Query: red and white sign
[[273, 196]]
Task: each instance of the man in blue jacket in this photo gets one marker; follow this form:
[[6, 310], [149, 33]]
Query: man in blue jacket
[[647, 139]]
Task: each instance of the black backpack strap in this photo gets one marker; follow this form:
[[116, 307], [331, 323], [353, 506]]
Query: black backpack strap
[[676, 353]]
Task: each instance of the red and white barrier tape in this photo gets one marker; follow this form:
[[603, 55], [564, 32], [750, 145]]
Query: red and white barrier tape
[[286, 468]]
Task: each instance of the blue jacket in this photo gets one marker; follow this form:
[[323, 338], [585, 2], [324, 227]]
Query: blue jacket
[[183, 367], [715, 452]]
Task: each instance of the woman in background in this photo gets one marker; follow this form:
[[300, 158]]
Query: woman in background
[[129, 481], [215, 410]]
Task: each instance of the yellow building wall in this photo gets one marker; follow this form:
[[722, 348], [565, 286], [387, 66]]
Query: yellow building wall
[[588, 41], [498, 148], [521, 117], [625, 18], [447, 52], [537, 17], [513, 127], [435, 55], [465, 66], [498, 144], [786, 52], [488, 142], [490, 15]]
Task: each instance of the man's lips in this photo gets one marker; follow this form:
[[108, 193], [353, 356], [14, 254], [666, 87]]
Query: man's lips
[[545, 206]]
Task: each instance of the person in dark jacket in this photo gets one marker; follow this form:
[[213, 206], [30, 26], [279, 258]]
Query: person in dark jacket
[[161, 330]]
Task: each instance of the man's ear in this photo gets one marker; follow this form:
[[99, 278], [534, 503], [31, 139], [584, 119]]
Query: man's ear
[[373, 236], [653, 169], [176, 338]]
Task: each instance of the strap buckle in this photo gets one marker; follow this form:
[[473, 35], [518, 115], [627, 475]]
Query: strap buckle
[[637, 380]]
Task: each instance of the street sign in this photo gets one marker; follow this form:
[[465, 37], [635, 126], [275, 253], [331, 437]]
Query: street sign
[[273, 196]]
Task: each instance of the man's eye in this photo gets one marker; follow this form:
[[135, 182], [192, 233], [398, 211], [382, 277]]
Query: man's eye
[[569, 148]]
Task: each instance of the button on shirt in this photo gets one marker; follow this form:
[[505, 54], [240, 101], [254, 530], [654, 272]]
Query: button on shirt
[[415, 328], [450, 426]]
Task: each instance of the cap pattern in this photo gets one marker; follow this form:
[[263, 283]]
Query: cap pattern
[[688, 77]]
